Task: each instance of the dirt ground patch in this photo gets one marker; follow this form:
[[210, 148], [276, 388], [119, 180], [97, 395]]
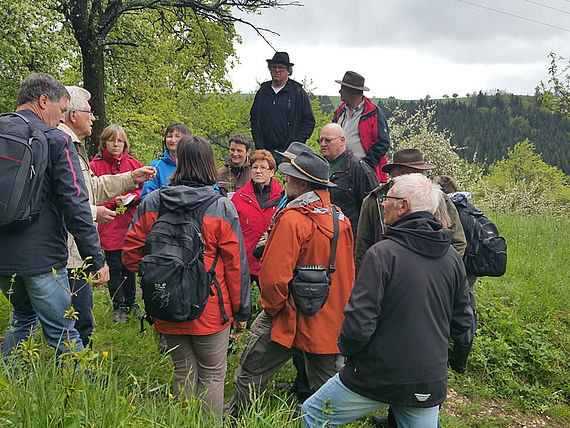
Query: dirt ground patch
[[493, 411]]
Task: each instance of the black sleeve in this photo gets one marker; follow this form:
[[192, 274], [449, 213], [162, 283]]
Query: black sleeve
[[462, 314], [365, 180], [72, 198], [253, 119], [363, 308], [306, 116], [381, 146]]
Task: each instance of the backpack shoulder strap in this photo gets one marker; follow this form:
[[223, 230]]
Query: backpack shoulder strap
[[334, 241]]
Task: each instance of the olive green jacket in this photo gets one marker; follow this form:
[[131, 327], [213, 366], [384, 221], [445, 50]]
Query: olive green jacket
[[371, 224]]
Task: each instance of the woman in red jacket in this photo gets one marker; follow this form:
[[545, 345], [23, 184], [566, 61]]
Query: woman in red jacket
[[256, 203], [114, 158], [198, 347]]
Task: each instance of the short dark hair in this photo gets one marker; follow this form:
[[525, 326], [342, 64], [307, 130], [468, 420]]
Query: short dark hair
[[195, 161], [241, 139], [447, 183], [176, 126], [38, 84]]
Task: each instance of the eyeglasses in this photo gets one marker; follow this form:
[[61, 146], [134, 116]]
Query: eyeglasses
[[91, 113], [259, 168], [327, 140], [277, 67], [384, 197]]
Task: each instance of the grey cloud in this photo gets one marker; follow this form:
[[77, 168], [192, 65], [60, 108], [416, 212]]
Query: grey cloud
[[445, 28]]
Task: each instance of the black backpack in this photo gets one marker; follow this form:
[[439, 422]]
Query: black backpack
[[23, 162], [175, 283], [486, 252]]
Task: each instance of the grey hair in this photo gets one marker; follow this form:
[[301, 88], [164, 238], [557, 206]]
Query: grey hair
[[422, 194], [78, 98], [38, 84]]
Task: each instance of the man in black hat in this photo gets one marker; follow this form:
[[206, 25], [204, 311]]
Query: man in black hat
[[371, 224], [281, 112], [302, 236], [364, 123]]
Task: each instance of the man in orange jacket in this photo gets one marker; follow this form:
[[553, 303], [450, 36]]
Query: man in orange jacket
[[301, 237]]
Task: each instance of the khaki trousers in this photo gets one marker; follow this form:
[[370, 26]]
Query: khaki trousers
[[262, 358], [200, 366]]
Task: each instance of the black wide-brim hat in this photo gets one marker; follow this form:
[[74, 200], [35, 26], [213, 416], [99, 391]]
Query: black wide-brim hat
[[280, 58], [407, 157], [294, 149], [310, 167], [353, 80]]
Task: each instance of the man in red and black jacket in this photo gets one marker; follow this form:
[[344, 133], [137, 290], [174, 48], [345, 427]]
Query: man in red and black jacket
[[363, 122]]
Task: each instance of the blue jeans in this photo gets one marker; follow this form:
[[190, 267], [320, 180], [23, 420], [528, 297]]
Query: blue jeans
[[83, 304], [334, 404], [39, 297]]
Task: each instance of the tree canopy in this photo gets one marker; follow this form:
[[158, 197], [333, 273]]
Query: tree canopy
[[152, 52]]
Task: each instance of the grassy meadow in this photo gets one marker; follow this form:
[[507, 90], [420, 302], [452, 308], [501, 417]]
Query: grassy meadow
[[518, 375]]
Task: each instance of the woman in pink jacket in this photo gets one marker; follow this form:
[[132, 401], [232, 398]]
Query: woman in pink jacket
[[256, 203], [114, 158]]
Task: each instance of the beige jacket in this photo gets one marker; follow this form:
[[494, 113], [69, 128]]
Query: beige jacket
[[101, 189]]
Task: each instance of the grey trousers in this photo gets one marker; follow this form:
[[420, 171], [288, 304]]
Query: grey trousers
[[200, 366], [262, 358]]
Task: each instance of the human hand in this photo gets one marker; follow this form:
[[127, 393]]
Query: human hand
[[102, 276], [143, 174], [238, 329], [104, 215]]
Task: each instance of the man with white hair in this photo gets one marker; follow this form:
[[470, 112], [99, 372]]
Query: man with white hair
[[78, 123], [409, 299]]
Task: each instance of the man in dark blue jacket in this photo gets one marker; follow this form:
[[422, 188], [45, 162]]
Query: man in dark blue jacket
[[281, 112], [33, 259], [409, 299]]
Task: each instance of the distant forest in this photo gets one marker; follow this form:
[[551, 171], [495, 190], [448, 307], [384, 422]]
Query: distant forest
[[484, 126]]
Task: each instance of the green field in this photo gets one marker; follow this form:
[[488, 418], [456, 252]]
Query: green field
[[518, 375]]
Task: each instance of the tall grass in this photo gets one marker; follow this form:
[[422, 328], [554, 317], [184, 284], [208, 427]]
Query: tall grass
[[521, 351], [521, 356]]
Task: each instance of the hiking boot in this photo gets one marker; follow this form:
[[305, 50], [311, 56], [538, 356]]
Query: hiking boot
[[136, 309], [120, 316], [162, 345]]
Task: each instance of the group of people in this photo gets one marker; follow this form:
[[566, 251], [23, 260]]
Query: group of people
[[396, 295]]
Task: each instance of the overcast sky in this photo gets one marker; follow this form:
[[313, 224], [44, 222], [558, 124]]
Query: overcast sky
[[410, 48]]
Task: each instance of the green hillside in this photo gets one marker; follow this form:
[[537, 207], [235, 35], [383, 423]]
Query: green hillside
[[484, 126]]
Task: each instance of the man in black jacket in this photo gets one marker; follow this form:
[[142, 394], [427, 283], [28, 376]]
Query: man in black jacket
[[281, 112], [354, 177], [33, 259], [409, 299]]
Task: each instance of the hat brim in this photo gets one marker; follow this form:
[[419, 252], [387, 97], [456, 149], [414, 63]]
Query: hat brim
[[286, 154], [422, 166], [289, 169], [272, 61], [360, 88]]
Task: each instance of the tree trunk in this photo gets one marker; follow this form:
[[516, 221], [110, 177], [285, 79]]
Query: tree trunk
[[94, 82]]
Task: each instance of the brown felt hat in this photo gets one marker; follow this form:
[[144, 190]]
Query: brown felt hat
[[407, 157], [353, 80]]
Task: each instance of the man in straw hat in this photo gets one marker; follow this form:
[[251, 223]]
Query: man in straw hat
[[371, 225], [364, 123], [301, 236], [281, 112]]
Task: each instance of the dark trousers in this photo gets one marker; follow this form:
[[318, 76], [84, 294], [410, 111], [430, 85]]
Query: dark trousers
[[122, 284], [82, 301], [301, 385]]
